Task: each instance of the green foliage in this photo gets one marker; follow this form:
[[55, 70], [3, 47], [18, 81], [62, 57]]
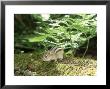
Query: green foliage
[[69, 31]]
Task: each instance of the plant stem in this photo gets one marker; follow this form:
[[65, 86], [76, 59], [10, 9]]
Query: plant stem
[[86, 49]]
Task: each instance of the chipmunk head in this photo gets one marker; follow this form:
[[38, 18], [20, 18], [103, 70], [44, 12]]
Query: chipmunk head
[[47, 56]]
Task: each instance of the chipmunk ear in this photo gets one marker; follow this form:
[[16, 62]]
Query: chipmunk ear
[[50, 52]]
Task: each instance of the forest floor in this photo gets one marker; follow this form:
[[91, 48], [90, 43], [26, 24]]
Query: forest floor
[[31, 64]]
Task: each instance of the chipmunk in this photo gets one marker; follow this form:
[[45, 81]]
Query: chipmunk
[[53, 54]]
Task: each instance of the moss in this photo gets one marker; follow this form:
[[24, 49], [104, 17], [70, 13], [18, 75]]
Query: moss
[[67, 67]]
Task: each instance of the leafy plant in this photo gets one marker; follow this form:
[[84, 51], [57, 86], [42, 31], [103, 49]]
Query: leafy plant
[[69, 31]]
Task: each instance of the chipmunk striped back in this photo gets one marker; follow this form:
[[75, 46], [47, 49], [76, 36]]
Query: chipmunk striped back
[[53, 54]]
